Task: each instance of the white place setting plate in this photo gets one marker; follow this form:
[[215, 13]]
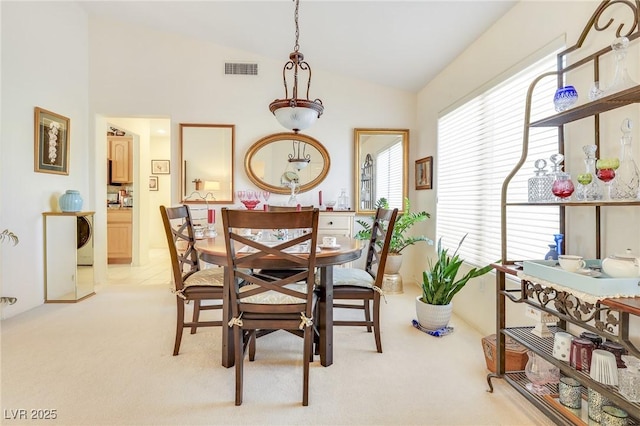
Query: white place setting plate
[[589, 272], [337, 246]]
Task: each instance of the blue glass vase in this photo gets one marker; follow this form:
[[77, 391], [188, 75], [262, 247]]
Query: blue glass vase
[[565, 98], [558, 238], [552, 254], [70, 201]]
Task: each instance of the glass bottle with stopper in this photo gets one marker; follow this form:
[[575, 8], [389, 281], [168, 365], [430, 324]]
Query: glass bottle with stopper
[[621, 79], [625, 185], [562, 186], [540, 184], [589, 188]]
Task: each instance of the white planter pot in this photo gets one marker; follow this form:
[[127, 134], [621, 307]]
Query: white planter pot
[[393, 264], [433, 317]]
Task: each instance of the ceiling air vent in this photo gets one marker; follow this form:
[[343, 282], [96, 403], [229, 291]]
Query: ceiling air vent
[[240, 69]]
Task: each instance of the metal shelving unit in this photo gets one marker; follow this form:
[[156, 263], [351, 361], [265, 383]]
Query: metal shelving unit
[[608, 318]]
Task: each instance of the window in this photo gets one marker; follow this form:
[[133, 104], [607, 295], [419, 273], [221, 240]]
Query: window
[[479, 143], [388, 176]]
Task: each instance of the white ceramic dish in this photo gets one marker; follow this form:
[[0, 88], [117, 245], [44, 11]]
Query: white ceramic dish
[[337, 246], [589, 272]]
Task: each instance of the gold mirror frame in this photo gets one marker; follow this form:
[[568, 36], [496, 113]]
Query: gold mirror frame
[[207, 156], [288, 138], [367, 143]]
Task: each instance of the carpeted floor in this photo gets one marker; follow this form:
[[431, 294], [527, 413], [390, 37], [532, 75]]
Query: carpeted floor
[[107, 361]]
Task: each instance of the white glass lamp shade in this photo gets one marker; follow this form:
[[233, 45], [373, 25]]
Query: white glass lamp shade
[[296, 118], [299, 164]]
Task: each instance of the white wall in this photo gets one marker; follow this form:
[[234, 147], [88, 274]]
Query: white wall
[[44, 63], [521, 33]]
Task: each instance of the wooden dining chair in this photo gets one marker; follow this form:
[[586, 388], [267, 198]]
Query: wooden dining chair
[[261, 302], [352, 284], [190, 282], [272, 208]]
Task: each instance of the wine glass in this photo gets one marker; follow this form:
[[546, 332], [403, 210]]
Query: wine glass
[[265, 196], [606, 171]]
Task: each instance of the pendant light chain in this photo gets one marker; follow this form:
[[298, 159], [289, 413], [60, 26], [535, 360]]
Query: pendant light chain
[[296, 47]]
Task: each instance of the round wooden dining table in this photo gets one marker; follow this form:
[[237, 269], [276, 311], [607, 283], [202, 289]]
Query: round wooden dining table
[[213, 250]]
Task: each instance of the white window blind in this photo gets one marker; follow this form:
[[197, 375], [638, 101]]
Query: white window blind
[[479, 143], [388, 177]]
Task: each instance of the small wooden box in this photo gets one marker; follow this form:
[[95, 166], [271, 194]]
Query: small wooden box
[[516, 354]]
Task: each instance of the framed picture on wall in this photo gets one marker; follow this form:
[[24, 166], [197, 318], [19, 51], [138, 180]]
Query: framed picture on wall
[[153, 183], [51, 134], [424, 173], [160, 167]]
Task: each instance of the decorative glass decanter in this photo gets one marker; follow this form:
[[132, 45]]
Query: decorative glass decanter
[[540, 372], [621, 79], [343, 200], [588, 187], [625, 185], [540, 184], [552, 254], [562, 186]]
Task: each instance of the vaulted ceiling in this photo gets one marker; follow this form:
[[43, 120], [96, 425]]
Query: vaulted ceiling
[[400, 44]]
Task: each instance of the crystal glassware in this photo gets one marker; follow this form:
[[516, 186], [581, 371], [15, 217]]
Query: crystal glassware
[[621, 79], [539, 186], [588, 187], [565, 98], [595, 92], [540, 372], [606, 172], [249, 199], [625, 186], [563, 186], [265, 196]]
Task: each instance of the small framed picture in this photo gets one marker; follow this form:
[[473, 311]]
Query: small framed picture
[[51, 142], [153, 183], [160, 167], [424, 173]]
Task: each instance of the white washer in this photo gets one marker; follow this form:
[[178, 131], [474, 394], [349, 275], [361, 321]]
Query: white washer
[[85, 240]]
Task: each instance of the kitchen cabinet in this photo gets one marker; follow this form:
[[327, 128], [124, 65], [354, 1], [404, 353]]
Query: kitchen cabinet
[[121, 159], [336, 224], [64, 280], [605, 316], [119, 235]]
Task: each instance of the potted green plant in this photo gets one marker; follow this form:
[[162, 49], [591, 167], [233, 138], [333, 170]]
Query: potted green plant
[[399, 241], [439, 285]]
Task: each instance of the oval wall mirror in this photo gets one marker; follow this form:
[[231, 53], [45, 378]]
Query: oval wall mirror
[[277, 161], [206, 163], [381, 168]]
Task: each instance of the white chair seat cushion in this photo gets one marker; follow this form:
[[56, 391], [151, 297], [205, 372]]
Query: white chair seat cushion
[[352, 276], [206, 277], [273, 297]]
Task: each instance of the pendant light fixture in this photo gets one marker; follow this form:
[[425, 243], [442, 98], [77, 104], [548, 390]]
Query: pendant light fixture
[[299, 159], [294, 113]]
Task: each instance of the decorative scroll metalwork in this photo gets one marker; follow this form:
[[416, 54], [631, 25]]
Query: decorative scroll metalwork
[[571, 308], [595, 23]]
